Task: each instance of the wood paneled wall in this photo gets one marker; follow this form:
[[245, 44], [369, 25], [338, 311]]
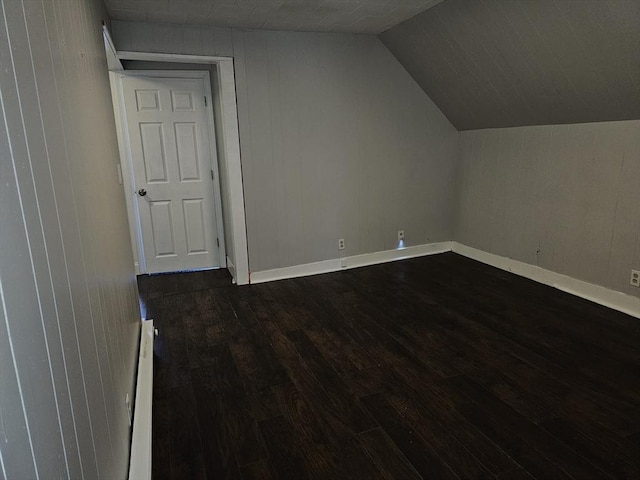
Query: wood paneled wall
[[337, 141], [562, 197], [69, 320]]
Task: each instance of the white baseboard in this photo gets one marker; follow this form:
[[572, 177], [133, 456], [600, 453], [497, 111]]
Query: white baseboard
[[232, 269], [140, 459], [344, 263], [595, 293]]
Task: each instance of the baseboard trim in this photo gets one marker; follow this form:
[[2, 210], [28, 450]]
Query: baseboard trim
[[609, 298], [232, 270], [140, 459], [346, 263], [595, 293]]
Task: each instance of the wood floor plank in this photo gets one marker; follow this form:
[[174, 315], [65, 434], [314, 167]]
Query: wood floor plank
[[355, 461], [287, 461], [614, 455], [443, 442], [387, 457], [635, 438], [304, 421], [528, 405], [421, 456], [527, 369], [239, 422], [161, 435], [219, 455], [276, 337], [257, 471], [257, 381], [530, 459], [493, 409], [439, 404], [434, 367], [518, 474], [187, 459], [336, 390]]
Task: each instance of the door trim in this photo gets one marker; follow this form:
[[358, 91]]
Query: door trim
[[234, 212]]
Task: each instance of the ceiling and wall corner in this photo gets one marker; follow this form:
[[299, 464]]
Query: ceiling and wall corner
[[352, 16], [504, 63], [485, 63]]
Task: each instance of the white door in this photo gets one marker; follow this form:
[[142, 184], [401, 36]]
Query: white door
[[173, 169]]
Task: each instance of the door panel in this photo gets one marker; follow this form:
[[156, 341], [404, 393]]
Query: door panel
[[155, 162], [147, 100], [162, 228], [182, 101], [169, 138], [194, 225], [187, 149]]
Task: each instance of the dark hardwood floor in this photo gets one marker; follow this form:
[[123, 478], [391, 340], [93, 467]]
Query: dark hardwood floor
[[432, 368]]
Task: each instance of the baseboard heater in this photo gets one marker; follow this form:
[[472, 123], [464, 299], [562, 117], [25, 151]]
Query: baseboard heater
[[140, 460]]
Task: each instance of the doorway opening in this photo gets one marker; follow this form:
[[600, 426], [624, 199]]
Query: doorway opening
[[171, 161], [229, 224]]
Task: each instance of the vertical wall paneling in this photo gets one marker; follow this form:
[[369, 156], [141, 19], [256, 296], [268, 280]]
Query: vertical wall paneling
[[561, 197], [22, 235], [17, 449], [334, 134], [70, 312]]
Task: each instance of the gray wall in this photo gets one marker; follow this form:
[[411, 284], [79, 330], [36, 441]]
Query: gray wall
[[69, 320], [337, 141], [167, 38], [499, 63], [570, 191], [334, 134]]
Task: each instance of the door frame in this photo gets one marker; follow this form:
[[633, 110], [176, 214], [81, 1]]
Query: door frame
[[233, 214], [127, 164]]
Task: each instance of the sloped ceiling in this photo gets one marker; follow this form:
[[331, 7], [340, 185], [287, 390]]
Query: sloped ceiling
[[501, 63], [356, 16]]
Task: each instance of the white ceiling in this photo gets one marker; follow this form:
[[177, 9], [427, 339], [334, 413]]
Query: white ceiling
[[357, 16]]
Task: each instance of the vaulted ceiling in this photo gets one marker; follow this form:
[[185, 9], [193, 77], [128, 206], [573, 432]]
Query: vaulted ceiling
[[501, 63], [485, 63], [356, 16]]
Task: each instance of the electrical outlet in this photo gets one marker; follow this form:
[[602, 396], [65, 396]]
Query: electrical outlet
[[635, 278], [341, 244], [400, 235]]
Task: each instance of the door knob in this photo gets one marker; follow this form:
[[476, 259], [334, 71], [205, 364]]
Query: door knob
[[142, 192]]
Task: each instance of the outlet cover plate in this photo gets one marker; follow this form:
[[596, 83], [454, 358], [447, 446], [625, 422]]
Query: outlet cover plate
[[635, 278]]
